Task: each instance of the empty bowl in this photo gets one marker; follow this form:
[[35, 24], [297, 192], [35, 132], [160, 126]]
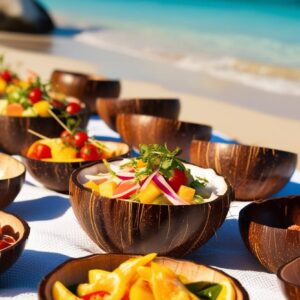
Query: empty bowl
[[119, 226], [74, 271], [254, 172], [19, 230], [108, 109], [289, 279], [12, 176], [141, 129], [84, 86], [264, 229]]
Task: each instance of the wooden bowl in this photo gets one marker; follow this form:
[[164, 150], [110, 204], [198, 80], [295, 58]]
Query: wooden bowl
[[108, 109], [12, 176], [119, 226], [84, 86], [289, 279], [263, 226], [141, 129], [74, 271], [14, 130], [254, 172], [55, 175], [19, 229]]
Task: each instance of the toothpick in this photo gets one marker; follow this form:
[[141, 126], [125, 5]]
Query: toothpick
[[37, 134], [59, 121]]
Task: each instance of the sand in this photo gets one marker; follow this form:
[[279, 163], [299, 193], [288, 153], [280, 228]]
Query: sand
[[247, 125]]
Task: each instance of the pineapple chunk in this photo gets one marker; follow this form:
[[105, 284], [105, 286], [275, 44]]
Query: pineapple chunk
[[186, 193], [92, 185], [150, 193], [107, 189]]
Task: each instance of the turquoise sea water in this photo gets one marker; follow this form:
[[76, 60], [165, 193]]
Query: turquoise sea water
[[241, 40]]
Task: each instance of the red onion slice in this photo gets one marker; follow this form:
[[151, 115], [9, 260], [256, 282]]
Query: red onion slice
[[148, 180]]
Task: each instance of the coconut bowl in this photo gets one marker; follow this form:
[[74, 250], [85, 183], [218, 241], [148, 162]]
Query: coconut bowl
[[254, 172], [108, 109], [141, 129], [56, 175], [12, 176], [264, 229], [74, 271], [17, 228], [85, 87], [14, 130], [289, 279], [119, 226]]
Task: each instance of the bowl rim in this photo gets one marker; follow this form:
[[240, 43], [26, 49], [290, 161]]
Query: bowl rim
[[245, 146], [132, 99], [23, 238], [73, 178], [164, 119], [43, 282], [22, 174], [244, 216], [280, 277]]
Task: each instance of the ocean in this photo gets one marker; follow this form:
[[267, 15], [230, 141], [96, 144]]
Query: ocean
[[256, 43]]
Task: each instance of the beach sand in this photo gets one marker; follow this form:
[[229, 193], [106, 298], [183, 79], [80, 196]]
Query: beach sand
[[269, 120]]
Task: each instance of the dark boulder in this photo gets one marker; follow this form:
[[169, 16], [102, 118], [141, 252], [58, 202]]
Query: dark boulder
[[27, 16]]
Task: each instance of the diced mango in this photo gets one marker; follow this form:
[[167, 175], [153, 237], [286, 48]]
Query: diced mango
[[150, 193], [141, 290], [107, 189], [42, 108], [186, 193], [14, 110], [60, 292], [92, 185], [2, 86]]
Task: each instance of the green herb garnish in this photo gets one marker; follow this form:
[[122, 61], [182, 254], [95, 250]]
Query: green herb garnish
[[205, 290], [107, 165]]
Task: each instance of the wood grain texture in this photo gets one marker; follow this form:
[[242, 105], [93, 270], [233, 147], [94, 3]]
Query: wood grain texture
[[289, 279], [108, 109], [12, 177], [19, 229], [141, 129], [119, 226], [14, 130], [84, 86], [263, 227], [74, 271], [56, 175], [254, 172]]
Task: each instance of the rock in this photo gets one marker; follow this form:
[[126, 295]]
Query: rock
[[24, 16]]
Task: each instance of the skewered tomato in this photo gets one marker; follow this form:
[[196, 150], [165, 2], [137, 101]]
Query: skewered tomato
[[67, 137], [90, 152], [35, 95], [80, 138], [73, 108], [41, 151], [6, 75]]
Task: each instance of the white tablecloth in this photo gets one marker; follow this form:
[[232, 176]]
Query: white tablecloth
[[56, 236]]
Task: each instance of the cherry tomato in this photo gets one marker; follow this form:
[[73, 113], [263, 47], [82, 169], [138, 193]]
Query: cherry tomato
[[35, 95], [6, 75], [67, 138], [73, 108], [57, 104], [90, 152], [42, 151], [94, 295], [177, 179], [80, 138]]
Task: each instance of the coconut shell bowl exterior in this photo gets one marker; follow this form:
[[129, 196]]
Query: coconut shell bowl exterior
[[126, 227], [264, 229], [84, 86], [14, 130], [55, 175], [12, 176], [254, 172], [141, 129], [74, 271], [17, 228], [289, 279], [108, 109]]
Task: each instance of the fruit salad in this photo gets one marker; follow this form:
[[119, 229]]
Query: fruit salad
[[5, 240], [142, 278], [157, 176], [72, 146]]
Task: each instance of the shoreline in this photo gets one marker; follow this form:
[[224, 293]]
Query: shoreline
[[271, 121]]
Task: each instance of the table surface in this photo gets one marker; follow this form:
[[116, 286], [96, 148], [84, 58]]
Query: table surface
[[56, 236]]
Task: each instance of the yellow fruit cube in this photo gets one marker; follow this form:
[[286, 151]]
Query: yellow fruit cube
[[2, 86], [186, 193], [92, 185], [107, 189], [42, 108], [150, 193]]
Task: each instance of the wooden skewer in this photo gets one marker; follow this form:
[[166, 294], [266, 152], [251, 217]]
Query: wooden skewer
[[37, 134], [64, 126]]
